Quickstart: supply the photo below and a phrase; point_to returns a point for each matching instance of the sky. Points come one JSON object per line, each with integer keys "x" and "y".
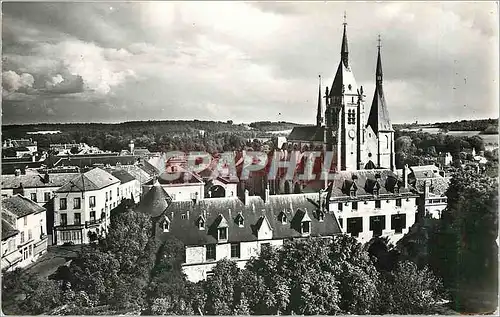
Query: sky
{"x": 243, "y": 61}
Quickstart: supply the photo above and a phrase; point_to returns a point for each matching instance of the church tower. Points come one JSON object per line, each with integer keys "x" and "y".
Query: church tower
{"x": 381, "y": 143}
{"x": 344, "y": 114}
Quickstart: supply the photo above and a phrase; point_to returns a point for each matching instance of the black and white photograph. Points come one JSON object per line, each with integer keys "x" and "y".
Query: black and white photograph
{"x": 250, "y": 158}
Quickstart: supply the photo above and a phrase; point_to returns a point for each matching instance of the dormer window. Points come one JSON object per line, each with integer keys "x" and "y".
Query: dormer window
{"x": 200, "y": 223}
{"x": 282, "y": 218}
{"x": 396, "y": 189}
{"x": 305, "y": 227}
{"x": 321, "y": 216}
{"x": 239, "y": 220}
{"x": 221, "y": 224}
{"x": 166, "y": 225}
{"x": 222, "y": 233}
{"x": 352, "y": 192}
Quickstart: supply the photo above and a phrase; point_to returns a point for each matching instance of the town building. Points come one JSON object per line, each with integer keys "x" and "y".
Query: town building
{"x": 82, "y": 207}
{"x": 179, "y": 183}
{"x": 63, "y": 149}
{"x": 28, "y": 144}
{"x": 24, "y": 234}
{"x": 431, "y": 184}
{"x": 234, "y": 228}
{"x": 372, "y": 203}
{"x": 130, "y": 187}
{"x": 359, "y": 139}
{"x": 39, "y": 188}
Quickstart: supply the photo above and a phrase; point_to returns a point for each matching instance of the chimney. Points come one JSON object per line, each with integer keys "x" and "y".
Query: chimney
{"x": 405, "y": 175}
{"x": 266, "y": 194}
{"x": 46, "y": 178}
{"x": 246, "y": 197}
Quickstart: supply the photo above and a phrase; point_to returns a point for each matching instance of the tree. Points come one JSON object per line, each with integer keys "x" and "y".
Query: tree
{"x": 220, "y": 289}
{"x": 408, "y": 290}
{"x": 29, "y": 294}
{"x": 464, "y": 252}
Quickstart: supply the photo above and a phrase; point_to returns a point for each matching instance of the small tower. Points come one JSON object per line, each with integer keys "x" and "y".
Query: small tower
{"x": 319, "y": 115}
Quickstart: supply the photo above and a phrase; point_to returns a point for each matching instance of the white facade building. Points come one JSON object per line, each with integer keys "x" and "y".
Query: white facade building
{"x": 82, "y": 207}
{"x": 24, "y": 235}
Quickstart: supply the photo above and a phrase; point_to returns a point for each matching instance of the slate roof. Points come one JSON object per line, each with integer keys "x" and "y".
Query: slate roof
{"x": 121, "y": 174}
{"x": 137, "y": 172}
{"x": 8, "y": 230}
{"x": 307, "y": 133}
{"x": 36, "y": 180}
{"x": 378, "y": 118}
{"x": 92, "y": 180}
{"x": 365, "y": 181}
{"x": 93, "y": 160}
{"x": 185, "y": 177}
{"x": 183, "y": 217}
{"x": 10, "y": 167}
{"x": 155, "y": 202}
{"x": 21, "y": 206}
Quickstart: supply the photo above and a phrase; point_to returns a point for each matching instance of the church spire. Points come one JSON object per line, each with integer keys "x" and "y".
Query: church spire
{"x": 379, "y": 73}
{"x": 344, "y": 53}
{"x": 319, "y": 115}
{"x": 378, "y": 118}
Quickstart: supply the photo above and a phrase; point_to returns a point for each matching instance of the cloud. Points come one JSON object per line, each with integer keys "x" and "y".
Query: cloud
{"x": 244, "y": 61}
{"x": 11, "y": 81}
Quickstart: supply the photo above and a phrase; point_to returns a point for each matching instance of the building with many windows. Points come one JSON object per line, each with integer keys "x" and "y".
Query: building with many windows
{"x": 24, "y": 234}
{"x": 82, "y": 207}
{"x": 234, "y": 228}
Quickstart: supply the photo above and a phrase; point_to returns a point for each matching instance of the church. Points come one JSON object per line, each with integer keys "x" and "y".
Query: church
{"x": 359, "y": 139}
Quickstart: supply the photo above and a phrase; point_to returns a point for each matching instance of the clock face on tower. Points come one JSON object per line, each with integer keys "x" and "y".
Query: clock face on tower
{"x": 352, "y": 134}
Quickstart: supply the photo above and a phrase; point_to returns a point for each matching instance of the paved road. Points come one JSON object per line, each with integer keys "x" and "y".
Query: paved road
{"x": 52, "y": 259}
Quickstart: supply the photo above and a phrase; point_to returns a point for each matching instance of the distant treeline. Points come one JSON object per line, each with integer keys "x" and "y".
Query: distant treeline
{"x": 195, "y": 135}
{"x": 487, "y": 126}
{"x": 470, "y": 125}
{"x": 273, "y": 126}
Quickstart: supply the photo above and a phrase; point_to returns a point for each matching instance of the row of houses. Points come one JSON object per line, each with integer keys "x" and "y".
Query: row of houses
{"x": 60, "y": 208}
{"x": 211, "y": 215}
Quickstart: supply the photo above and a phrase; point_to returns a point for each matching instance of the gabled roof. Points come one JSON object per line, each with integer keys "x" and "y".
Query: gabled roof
{"x": 8, "y": 230}
{"x": 21, "y": 206}
{"x": 307, "y": 134}
{"x": 94, "y": 179}
{"x": 155, "y": 202}
{"x": 185, "y": 214}
{"x": 36, "y": 180}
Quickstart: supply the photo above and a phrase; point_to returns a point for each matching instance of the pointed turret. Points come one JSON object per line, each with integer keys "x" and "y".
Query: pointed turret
{"x": 378, "y": 118}
{"x": 319, "y": 115}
